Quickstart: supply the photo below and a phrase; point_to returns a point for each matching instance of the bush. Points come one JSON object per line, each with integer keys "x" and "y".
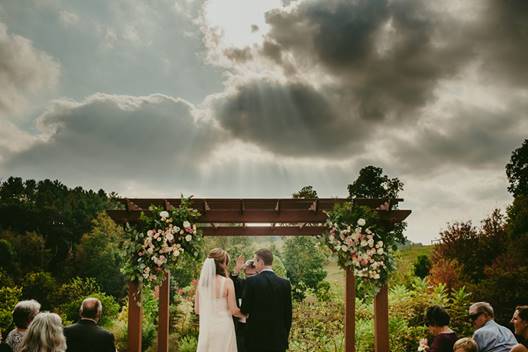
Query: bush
{"x": 9, "y": 296}
{"x": 40, "y": 286}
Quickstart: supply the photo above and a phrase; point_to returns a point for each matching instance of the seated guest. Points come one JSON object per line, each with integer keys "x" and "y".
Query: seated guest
{"x": 23, "y": 314}
{"x": 520, "y": 325}
{"x": 44, "y": 334}
{"x": 489, "y": 336}
{"x": 465, "y": 344}
{"x": 85, "y": 335}
{"x": 437, "y": 320}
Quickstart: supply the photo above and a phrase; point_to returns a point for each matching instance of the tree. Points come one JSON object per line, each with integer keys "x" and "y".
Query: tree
{"x": 371, "y": 183}
{"x": 307, "y": 192}
{"x": 304, "y": 261}
{"x": 422, "y": 266}
{"x": 40, "y": 286}
{"x": 517, "y": 171}
{"x": 98, "y": 255}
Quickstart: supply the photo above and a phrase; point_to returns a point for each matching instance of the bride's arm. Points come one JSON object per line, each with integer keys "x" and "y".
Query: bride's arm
{"x": 231, "y": 299}
{"x": 196, "y": 302}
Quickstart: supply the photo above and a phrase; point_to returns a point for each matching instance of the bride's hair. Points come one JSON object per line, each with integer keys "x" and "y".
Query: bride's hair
{"x": 220, "y": 257}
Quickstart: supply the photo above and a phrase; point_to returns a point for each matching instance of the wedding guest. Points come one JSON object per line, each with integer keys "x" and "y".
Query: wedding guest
{"x": 44, "y": 334}
{"x": 520, "y": 325}
{"x": 23, "y": 314}
{"x": 86, "y": 335}
{"x": 4, "y": 347}
{"x": 489, "y": 336}
{"x": 465, "y": 344}
{"x": 437, "y": 321}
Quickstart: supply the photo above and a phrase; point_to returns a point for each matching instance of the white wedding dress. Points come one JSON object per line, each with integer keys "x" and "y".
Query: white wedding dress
{"x": 217, "y": 330}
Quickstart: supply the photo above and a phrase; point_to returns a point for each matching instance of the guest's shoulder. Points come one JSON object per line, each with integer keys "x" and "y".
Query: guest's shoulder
{"x": 519, "y": 348}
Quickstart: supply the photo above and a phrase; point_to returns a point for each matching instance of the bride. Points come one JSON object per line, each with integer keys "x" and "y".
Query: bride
{"x": 215, "y": 304}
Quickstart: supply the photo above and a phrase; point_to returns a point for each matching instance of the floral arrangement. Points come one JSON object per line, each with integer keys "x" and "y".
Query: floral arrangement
{"x": 361, "y": 244}
{"x": 159, "y": 240}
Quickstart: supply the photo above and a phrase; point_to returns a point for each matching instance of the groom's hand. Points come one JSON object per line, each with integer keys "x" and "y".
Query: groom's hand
{"x": 239, "y": 264}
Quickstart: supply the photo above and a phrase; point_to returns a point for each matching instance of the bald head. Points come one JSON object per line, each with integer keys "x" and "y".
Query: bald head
{"x": 91, "y": 308}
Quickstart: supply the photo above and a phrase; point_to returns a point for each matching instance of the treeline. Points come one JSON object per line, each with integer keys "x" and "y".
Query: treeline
{"x": 57, "y": 245}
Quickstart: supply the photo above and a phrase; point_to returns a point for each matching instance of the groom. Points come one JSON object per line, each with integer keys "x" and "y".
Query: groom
{"x": 267, "y": 302}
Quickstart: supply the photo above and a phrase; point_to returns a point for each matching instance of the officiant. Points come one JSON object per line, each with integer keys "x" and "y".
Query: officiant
{"x": 248, "y": 269}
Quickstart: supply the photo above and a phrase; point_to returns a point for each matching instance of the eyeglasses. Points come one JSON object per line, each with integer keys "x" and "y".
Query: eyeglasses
{"x": 474, "y": 316}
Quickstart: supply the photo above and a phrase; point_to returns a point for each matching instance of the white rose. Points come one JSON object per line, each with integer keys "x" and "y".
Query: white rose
{"x": 361, "y": 222}
{"x": 380, "y": 250}
{"x": 170, "y": 237}
{"x": 164, "y": 214}
{"x": 186, "y": 224}
{"x": 188, "y": 238}
{"x": 344, "y": 248}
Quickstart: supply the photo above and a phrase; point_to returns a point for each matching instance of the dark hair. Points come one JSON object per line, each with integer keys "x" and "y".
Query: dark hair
{"x": 265, "y": 255}
{"x": 91, "y": 308}
{"x": 436, "y": 316}
{"x": 24, "y": 312}
{"x": 523, "y": 312}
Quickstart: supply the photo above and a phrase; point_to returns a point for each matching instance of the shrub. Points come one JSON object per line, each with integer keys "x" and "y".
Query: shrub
{"x": 40, "y": 286}
{"x": 9, "y": 296}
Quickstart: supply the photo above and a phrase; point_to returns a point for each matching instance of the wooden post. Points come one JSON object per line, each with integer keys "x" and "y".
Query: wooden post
{"x": 135, "y": 316}
{"x": 381, "y": 320}
{"x": 350, "y": 312}
{"x": 163, "y": 322}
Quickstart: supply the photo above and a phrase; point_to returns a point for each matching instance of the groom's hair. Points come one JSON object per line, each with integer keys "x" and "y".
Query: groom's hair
{"x": 265, "y": 255}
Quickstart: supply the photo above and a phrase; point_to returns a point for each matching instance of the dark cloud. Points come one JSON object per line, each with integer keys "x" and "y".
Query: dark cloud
{"x": 471, "y": 138}
{"x": 292, "y": 119}
{"x": 238, "y": 55}
{"x": 502, "y": 39}
{"x": 145, "y": 139}
{"x": 384, "y": 54}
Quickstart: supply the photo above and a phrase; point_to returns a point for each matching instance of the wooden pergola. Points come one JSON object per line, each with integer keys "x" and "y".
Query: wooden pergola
{"x": 260, "y": 217}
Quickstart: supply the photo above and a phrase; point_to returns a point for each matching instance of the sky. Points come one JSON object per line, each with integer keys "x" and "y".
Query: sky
{"x": 257, "y": 98}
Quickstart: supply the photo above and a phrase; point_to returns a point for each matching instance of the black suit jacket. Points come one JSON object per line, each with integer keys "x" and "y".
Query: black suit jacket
{"x": 267, "y": 300}
{"x": 86, "y": 336}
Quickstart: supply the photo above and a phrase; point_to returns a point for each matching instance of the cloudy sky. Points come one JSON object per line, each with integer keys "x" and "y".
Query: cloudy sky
{"x": 256, "y": 98}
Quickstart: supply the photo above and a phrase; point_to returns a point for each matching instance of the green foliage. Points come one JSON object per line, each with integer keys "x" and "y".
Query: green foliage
{"x": 188, "y": 344}
{"x": 8, "y": 257}
{"x": 371, "y": 183}
{"x": 61, "y": 215}
{"x": 40, "y": 286}
{"x": 517, "y": 171}
{"x": 98, "y": 255}
{"x": 422, "y": 266}
{"x": 69, "y": 296}
{"x": 518, "y": 217}
{"x": 9, "y": 296}
{"x": 148, "y": 324}
{"x": 70, "y": 311}
{"x": 307, "y": 192}
{"x": 278, "y": 266}
{"x": 303, "y": 261}
{"x": 234, "y": 245}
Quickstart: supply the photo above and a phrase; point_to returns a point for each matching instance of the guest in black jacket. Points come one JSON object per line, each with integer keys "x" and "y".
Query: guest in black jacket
{"x": 249, "y": 269}
{"x": 86, "y": 335}
{"x": 267, "y": 303}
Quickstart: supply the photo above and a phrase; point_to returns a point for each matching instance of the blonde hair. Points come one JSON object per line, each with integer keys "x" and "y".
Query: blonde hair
{"x": 465, "y": 344}
{"x": 44, "y": 334}
{"x": 220, "y": 257}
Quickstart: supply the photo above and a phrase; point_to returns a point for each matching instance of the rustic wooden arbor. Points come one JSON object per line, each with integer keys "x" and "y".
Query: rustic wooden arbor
{"x": 261, "y": 217}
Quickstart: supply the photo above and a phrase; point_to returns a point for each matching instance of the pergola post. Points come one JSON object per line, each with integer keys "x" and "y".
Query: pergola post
{"x": 135, "y": 316}
{"x": 163, "y": 322}
{"x": 350, "y": 311}
{"x": 381, "y": 320}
